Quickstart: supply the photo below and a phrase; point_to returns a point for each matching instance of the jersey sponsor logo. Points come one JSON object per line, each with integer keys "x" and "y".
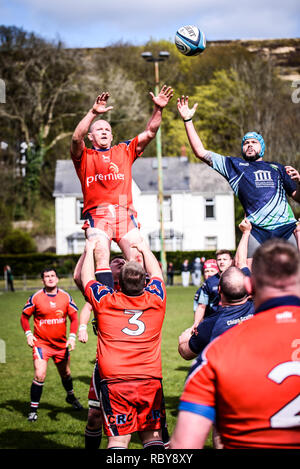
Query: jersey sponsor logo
{"x": 119, "y": 419}
{"x": 238, "y": 320}
{"x": 52, "y": 322}
{"x": 286, "y": 316}
{"x": 155, "y": 414}
{"x": 113, "y": 176}
{"x": 263, "y": 178}
{"x": 155, "y": 288}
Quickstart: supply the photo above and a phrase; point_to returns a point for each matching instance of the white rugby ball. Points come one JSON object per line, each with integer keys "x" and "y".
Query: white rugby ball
{"x": 190, "y": 41}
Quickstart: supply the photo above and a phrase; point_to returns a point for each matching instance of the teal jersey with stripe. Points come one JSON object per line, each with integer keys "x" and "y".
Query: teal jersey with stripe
{"x": 262, "y": 188}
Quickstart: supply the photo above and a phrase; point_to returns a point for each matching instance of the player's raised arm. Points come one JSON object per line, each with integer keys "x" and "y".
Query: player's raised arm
{"x": 151, "y": 264}
{"x": 82, "y": 129}
{"x": 240, "y": 259}
{"x": 187, "y": 115}
{"x": 88, "y": 265}
{"x": 295, "y": 176}
{"x": 160, "y": 101}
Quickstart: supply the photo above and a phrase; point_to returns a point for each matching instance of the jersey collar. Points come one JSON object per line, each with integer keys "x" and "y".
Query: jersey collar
{"x": 289, "y": 300}
{"x": 101, "y": 149}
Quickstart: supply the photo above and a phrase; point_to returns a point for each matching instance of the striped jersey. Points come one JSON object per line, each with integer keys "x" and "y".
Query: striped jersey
{"x": 262, "y": 188}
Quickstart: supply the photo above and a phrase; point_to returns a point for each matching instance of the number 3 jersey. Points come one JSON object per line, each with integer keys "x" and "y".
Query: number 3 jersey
{"x": 249, "y": 379}
{"x": 129, "y": 330}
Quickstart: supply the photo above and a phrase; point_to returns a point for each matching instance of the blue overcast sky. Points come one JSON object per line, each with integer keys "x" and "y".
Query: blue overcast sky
{"x": 98, "y": 23}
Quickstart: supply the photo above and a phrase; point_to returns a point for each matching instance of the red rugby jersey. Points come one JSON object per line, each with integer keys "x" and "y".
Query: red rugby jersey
{"x": 129, "y": 330}
{"x": 251, "y": 377}
{"x": 105, "y": 175}
{"x": 50, "y": 313}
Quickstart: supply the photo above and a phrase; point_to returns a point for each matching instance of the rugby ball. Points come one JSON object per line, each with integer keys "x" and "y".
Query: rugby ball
{"x": 190, "y": 41}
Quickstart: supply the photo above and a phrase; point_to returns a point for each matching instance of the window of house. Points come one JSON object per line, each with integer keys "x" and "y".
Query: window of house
{"x": 209, "y": 208}
{"x": 79, "y": 210}
{"x": 210, "y": 243}
{"x": 167, "y": 208}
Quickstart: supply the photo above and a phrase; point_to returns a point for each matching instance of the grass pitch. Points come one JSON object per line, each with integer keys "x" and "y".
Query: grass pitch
{"x": 58, "y": 425}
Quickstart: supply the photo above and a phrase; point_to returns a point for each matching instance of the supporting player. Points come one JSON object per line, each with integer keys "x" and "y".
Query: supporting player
{"x": 128, "y": 354}
{"x": 50, "y": 308}
{"x": 209, "y": 298}
{"x": 261, "y": 187}
{"x": 93, "y": 429}
{"x": 105, "y": 175}
{"x": 248, "y": 381}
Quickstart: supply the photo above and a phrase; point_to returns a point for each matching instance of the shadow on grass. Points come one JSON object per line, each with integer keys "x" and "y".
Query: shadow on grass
{"x": 21, "y": 439}
{"x": 53, "y": 412}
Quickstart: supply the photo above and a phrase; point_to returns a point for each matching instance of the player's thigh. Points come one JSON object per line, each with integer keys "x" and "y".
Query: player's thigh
{"x": 150, "y": 435}
{"x": 121, "y": 441}
{"x": 62, "y": 362}
{"x": 125, "y": 243}
{"x": 102, "y": 247}
{"x": 40, "y": 369}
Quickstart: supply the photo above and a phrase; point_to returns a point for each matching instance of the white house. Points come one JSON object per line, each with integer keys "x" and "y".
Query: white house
{"x": 198, "y": 206}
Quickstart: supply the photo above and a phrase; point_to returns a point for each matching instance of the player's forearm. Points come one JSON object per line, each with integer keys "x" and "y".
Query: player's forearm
{"x": 151, "y": 264}
{"x": 85, "y": 314}
{"x": 73, "y": 324}
{"x": 88, "y": 268}
{"x": 185, "y": 351}
{"x": 240, "y": 259}
{"x": 196, "y": 143}
{"x": 199, "y": 314}
{"x": 25, "y": 323}
{"x": 81, "y": 131}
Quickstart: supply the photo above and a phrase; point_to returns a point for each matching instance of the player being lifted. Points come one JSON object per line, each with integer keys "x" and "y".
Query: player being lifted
{"x": 260, "y": 186}
{"x": 105, "y": 175}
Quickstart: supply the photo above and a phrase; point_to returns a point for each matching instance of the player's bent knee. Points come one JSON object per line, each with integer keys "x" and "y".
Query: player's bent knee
{"x": 94, "y": 418}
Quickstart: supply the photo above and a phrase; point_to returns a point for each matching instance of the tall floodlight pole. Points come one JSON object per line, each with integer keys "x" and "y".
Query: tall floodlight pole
{"x": 163, "y": 55}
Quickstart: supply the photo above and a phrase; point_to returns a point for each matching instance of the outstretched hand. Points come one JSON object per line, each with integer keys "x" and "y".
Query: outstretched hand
{"x": 163, "y": 97}
{"x": 183, "y": 108}
{"x": 293, "y": 173}
{"x": 245, "y": 225}
{"x": 99, "y": 106}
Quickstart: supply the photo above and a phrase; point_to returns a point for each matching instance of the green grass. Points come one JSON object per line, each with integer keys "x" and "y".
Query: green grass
{"x": 58, "y": 426}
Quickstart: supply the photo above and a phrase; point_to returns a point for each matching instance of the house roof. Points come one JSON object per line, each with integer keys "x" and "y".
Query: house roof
{"x": 179, "y": 175}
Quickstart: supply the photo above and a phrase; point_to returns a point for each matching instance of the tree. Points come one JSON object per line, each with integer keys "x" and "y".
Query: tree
{"x": 41, "y": 91}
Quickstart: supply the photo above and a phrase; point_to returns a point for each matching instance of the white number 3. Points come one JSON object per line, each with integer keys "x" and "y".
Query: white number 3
{"x": 134, "y": 320}
{"x": 288, "y": 416}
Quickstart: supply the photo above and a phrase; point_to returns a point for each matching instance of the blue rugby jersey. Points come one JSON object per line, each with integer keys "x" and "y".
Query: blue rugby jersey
{"x": 261, "y": 187}
{"x": 209, "y": 294}
{"x": 231, "y": 315}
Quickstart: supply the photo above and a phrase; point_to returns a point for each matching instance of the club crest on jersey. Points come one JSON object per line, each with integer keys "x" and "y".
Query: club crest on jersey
{"x": 155, "y": 287}
{"x": 263, "y": 178}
